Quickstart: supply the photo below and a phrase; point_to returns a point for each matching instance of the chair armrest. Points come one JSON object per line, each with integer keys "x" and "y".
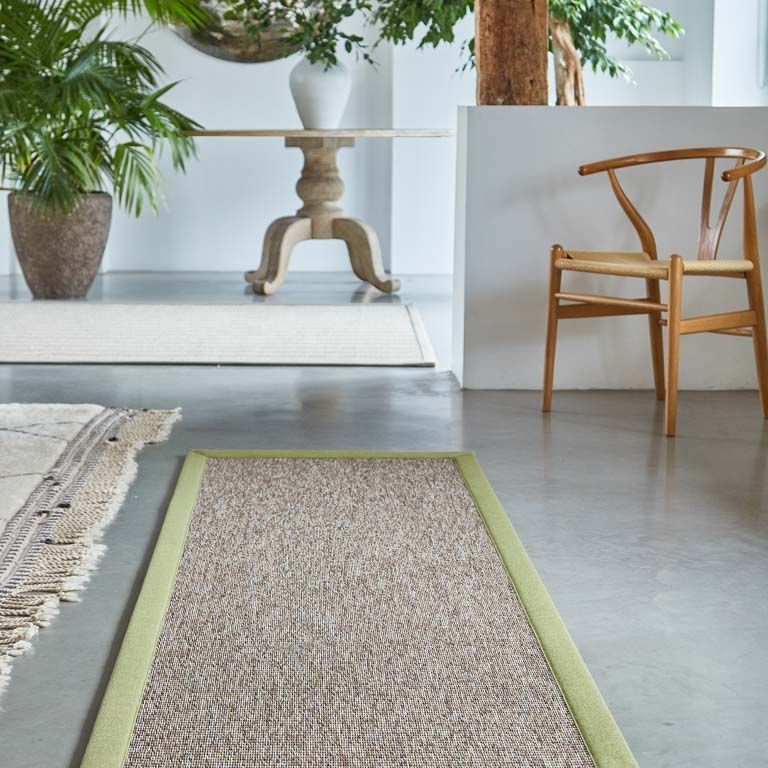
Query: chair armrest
{"x": 746, "y": 169}
{"x": 754, "y": 160}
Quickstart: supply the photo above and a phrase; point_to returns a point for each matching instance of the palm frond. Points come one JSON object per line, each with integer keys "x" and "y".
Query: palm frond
{"x": 79, "y": 112}
{"x": 189, "y": 12}
{"x": 135, "y": 176}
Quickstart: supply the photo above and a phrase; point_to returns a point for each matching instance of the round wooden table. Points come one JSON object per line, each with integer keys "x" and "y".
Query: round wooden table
{"x": 320, "y": 218}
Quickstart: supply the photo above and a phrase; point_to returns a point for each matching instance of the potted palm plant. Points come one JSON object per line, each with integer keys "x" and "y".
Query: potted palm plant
{"x": 81, "y": 116}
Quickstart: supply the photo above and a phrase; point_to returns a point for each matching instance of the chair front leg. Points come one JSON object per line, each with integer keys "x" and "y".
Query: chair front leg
{"x": 673, "y": 342}
{"x": 759, "y": 335}
{"x": 657, "y": 338}
{"x": 555, "y": 276}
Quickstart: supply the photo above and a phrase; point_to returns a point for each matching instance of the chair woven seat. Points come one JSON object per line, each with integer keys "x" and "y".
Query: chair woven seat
{"x": 640, "y": 264}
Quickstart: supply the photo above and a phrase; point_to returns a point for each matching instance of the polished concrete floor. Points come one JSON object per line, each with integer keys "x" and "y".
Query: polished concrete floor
{"x": 654, "y": 550}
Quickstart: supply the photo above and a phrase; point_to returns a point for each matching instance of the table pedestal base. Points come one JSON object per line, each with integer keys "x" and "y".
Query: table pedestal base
{"x": 319, "y": 187}
{"x": 284, "y": 234}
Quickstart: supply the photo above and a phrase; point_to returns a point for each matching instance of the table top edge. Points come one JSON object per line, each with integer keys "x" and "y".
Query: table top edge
{"x": 360, "y": 133}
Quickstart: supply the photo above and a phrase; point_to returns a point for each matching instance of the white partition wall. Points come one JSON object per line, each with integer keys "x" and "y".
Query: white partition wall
{"x": 519, "y": 192}
{"x": 215, "y": 215}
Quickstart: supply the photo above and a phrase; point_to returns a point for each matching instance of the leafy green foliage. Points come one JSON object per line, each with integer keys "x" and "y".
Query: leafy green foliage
{"x": 189, "y": 12}
{"x": 591, "y": 22}
{"x": 400, "y": 19}
{"x": 314, "y": 26}
{"x": 81, "y": 112}
{"x": 631, "y": 20}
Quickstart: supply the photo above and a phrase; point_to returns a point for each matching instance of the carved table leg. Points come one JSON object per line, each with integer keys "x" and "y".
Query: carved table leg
{"x": 259, "y": 274}
{"x": 320, "y": 218}
{"x": 281, "y": 238}
{"x": 364, "y": 253}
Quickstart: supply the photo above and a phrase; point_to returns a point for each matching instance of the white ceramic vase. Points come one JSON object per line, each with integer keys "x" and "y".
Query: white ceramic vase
{"x": 320, "y": 94}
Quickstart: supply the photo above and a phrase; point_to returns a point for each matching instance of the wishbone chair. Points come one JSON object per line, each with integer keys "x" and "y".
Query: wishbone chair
{"x": 646, "y": 264}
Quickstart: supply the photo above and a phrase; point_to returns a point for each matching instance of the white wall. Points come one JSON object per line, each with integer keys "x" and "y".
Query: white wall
{"x": 217, "y": 213}
{"x": 698, "y": 21}
{"x": 739, "y": 29}
{"x": 519, "y": 193}
{"x": 427, "y": 89}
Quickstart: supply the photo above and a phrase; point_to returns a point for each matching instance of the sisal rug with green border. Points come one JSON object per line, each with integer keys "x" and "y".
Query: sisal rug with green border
{"x": 356, "y": 609}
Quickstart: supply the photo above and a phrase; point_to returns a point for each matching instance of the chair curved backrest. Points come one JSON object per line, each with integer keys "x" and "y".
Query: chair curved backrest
{"x": 747, "y": 162}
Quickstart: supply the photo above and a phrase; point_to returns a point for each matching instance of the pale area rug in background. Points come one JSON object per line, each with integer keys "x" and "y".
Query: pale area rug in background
{"x": 64, "y": 472}
{"x": 254, "y": 334}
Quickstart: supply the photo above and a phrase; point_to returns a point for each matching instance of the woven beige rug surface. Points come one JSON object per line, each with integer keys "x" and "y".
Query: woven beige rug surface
{"x": 64, "y": 471}
{"x": 346, "y": 612}
{"x": 240, "y": 334}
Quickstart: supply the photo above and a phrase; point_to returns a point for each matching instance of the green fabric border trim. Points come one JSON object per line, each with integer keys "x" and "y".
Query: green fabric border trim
{"x": 112, "y": 731}
{"x": 599, "y": 730}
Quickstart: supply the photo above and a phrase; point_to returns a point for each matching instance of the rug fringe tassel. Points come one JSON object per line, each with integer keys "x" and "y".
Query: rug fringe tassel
{"x": 67, "y": 562}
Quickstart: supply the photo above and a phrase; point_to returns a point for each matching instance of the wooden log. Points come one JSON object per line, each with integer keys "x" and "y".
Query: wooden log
{"x": 511, "y": 41}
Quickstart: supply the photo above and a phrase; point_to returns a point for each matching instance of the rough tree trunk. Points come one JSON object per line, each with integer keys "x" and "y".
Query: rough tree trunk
{"x": 511, "y": 51}
{"x": 568, "y": 79}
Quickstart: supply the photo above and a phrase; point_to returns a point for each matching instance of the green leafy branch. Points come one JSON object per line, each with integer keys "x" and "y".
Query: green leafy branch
{"x": 81, "y": 112}
{"x": 431, "y": 22}
{"x": 314, "y": 26}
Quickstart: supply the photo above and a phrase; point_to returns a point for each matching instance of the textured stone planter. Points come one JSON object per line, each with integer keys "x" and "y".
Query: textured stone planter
{"x": 60, "y": 255}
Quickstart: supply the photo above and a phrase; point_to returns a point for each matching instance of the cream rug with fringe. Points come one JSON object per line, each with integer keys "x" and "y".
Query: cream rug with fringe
{"x": 64, "y": 472}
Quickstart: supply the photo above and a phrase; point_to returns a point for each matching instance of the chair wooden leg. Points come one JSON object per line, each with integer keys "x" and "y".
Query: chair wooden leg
{"x": 759, "y": 335}
{"x": 673, "y": 342}
{"x": 555, "y": 276}
{"x": 657, "y": 339}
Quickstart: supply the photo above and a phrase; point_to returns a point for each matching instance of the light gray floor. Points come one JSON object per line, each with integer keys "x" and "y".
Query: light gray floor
{"x": 655, "y": 551}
